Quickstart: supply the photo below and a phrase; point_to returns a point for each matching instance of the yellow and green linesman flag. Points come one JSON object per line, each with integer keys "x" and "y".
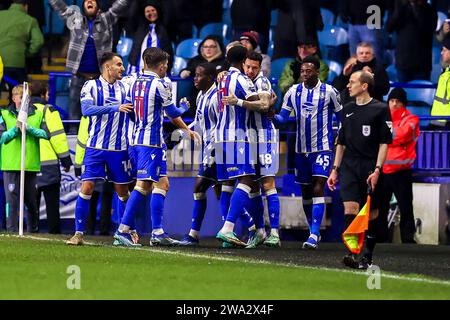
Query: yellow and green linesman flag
{"x": 353, "y": 237}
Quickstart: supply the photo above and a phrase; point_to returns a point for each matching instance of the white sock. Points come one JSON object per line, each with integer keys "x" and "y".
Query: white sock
{"x": 261, "y": 232}
{"x": 193, "y": 233}
{"x": 227, "y": 227}
{"x": 79, "y": 232}
{"x": 124, "y": 228}
{"x": 158, "y": 232}
{"x": 274, "y": 232}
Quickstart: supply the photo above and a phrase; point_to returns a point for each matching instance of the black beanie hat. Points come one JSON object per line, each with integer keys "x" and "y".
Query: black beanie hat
{"x": 399, "y": 94}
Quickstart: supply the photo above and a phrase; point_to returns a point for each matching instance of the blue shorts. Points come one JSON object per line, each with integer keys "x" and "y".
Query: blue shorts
{"x": 163, "y": 171}
{"x": 133, "y": 165}
{"x": 235, "y": 159}
{"x": 308, "y": 165}
{"x": 109, "y": 165}
{"x": 208, "y": 172}
{"x": 149, "y": 162}
{"x": 268, "y": 159}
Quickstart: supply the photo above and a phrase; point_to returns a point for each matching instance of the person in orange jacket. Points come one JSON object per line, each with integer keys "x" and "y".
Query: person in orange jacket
{"x": 397, "y": 167}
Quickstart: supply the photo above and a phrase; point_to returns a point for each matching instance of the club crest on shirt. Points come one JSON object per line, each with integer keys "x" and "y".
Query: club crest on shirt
{"x": 322, "y": 95}
{"x": 265, "y": 85}
{"x": 11, "y": 187}
{"x": 366, "y": 130}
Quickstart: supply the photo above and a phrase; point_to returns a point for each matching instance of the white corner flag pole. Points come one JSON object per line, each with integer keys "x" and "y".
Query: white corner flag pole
{"x": 22, "y": 117}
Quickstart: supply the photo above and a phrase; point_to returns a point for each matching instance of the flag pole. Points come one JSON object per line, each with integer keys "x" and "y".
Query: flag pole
{"x": 22, "y": 117}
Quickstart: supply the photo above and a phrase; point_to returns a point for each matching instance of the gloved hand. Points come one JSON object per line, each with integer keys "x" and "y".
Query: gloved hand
{"x": 78, "y": 172}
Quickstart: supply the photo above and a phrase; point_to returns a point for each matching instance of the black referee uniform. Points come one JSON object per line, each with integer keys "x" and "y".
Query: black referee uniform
{"x": 364, "y": 128}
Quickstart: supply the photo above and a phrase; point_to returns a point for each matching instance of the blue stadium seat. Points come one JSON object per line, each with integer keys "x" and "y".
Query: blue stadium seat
{"x": 435, "y": 73}
{"x": 421, "y": 94}
{"x": 341, "y": 23}
{"x": 333, "y": 36}
{"x": 226, "y": 17}
{"x": 421, "y": 111}
{"x": 57, "y": 23}
{"x": 335, "y": 69}
{"x": 441, "y": 19}
{"x": 215, "y": 28}
{"x": 273, "y": 18}
{"x": 327, "y": 16}
{"x": 392, "y": 73}
{"x": 194, "y": 31}
{"x": 226, "y": 4}
{"x": 188, "y": 48}
{"x": 278, "y": 66}
{"x": 270, "y": 49}
{"x": 124, "y": 49}
{"x": 178, "y": 65}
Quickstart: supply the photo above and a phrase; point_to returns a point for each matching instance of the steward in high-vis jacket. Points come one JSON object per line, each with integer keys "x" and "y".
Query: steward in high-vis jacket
{"x": 441, "y": 103}
{"x": 53, "y": 153}
{"x": 11, "y": 144}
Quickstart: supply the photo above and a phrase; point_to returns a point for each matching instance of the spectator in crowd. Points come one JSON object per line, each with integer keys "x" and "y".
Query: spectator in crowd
{"x": 291, "y": 71}
{"x": 21, "y": 38}
{"x": 53, "y": 154}
{"x": 397, "y": 167}
{"x": 211, "y": 50}
{"x": 11, "y": 141}
{"x": 414, "y": 21}
{"x": 178, "y": 18}
{"x": 298, "y": 21}
{"x": 441, "y": 103}
{"x": 207, "y": 11}
{"x": 444, "y": 31}
{"x": 355, "y": 13}
{"x": 249, "y": 40}
{"x": 149, "y": 33}
{"x": 364, "y": 60}
{"x": 252, "y": 15}
{"x": 90, "y": 37}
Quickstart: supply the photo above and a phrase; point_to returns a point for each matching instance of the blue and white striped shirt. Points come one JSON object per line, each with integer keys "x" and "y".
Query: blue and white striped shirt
{"x": 150, "y": 95}
{"x": 233, "y": 120}
{"x": 106, "y": 131}
{"x": 313, "y": 110}
{"x": 207, "y": 114}
{"x": 262, "y": 125}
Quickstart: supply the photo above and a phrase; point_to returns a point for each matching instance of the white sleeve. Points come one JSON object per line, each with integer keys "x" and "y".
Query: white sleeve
{"x": 264, "y": 86}
{"x": 335, "y": 97}
{"x": 247, "y": 86}
{"x": 287, "y": 101}
{"x": 87, "y": 90}
{"x": 165, "y": 92}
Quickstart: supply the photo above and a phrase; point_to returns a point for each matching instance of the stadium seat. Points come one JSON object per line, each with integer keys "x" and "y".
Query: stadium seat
{"x": 273, "y": 18}
{"x": 226, "y": 17}
{"x": 392, "y": 73}
{"x": 327, "y": 16}
{"x": 53, "y": 18}
{"x": 215, "y": 28}
{"x": 178, "y": 65}
{"x": 333, "y": 36}
{"x": 124, "y": 48}
{"x": 435, "y": 73}
{"x": 270, "y": 49}
{"x": 188, "y": 48}
{"x": 421, "y": 94}
{"x": 341, "y": 23}
{"x": 441, "y": 19}
{"x": 335, "y": 69}
{"x": 194, "y": 31}
{"x": 277, "y": 67}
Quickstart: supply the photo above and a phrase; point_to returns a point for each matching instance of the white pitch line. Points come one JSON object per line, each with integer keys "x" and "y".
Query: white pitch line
{"x": 246, "y": 260}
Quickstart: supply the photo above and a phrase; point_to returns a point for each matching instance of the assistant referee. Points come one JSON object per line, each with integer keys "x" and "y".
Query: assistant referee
{"x": 361, "y": 150}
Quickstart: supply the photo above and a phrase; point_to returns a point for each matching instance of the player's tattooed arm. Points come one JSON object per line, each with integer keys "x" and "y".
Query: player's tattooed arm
{"x": 259, "y": 103}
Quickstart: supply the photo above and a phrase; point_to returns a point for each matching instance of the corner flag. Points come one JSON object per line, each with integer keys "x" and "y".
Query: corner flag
{"x": 353, "y": 237}
{"x": 22, "y": 118}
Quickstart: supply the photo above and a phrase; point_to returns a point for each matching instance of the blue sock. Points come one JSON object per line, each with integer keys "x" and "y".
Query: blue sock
{"x": 239, "y": 200}
{"x": 198, "y": 213}
{"x": 256, "y": 209}
{"x": 225, "y": 200}
{"x": 273, "y": 204}
{"x": 157, "y": 207}
{"x": 318, "y": 208}
{"x": 247, "y": 220}
{"x": 307, "y": 207}
{"x": 81, "y": 211}
{"x": 133, "y": 203}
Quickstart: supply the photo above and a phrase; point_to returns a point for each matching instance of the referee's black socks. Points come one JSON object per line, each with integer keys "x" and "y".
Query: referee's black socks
{"x": 371, "y": 239}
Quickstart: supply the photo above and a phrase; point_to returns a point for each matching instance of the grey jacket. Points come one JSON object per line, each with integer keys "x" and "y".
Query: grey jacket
{"x": 78, "y": 25}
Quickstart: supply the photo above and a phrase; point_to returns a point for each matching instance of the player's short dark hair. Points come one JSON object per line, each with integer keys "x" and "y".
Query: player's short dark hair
{"x": 153, "y": 57}
{"x": 236, "y": 55}
{"x": 210, "y": 70}
{"x": 367, "y": 77}
{"x": 255, "y": 56}
{"x": 313, "y": 60}
{"x": 107, "y": 56}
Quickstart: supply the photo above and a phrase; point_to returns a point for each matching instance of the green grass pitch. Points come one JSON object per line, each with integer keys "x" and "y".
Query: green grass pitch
{"x": 33, "y": 269}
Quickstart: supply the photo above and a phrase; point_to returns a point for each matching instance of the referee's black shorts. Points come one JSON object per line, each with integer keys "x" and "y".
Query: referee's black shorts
{"x": 353, "y": 181}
